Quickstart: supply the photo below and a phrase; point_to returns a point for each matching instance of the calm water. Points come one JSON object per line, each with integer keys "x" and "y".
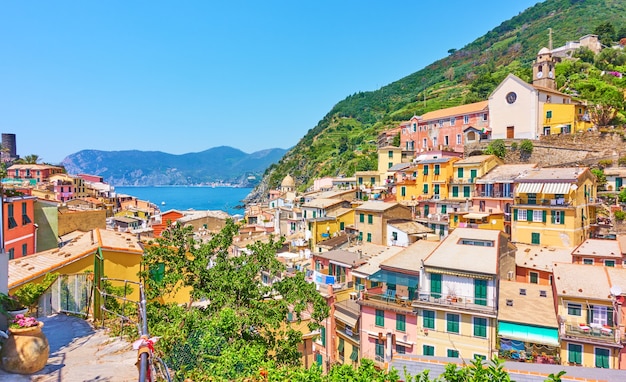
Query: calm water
{"x": 184, "y": 198}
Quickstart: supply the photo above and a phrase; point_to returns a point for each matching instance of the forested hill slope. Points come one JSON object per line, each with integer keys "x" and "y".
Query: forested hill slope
{"x": 344, "y": 140}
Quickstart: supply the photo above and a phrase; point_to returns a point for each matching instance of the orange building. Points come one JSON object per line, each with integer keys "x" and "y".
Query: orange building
{"x": 19, "y": 226}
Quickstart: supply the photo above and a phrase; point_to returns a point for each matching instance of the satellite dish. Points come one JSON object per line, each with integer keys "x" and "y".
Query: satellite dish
{"x": 616, "y": 290}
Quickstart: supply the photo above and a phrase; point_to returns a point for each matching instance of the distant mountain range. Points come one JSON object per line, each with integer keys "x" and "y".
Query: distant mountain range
{"x": 151, "y": 168}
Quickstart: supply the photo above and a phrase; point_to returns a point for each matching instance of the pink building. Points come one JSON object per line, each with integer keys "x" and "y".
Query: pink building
{"x": 446, "y": 129}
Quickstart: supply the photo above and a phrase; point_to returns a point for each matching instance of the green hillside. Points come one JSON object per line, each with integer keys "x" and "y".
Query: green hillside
{"x": 344, "y": 140}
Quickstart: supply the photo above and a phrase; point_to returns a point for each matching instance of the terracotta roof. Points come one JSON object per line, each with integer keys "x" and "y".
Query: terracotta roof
{"x": 599, "y": 248}
{"x": 530, "y": 308}
{"x": 25, "y": 269}
{"x": 453, "y": 254}
{"x": 456, "y": 110}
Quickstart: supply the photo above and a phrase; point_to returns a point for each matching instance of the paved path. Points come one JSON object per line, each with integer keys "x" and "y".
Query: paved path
{"x": 78, "y": 352}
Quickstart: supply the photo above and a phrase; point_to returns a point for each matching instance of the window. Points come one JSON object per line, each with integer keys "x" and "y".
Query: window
{"x": 455, "y": 191}
{"x": 600, "y": 315}
{"x": 400, "y": 322}
{"x": 436, "y": 169}
{"x": 480, "y": 292}
{"x": 390, "y": 154}
{"x": 446, "y": 141}
{"x": 369, "y": 237}
{"x": 323, "y": 335}
{"x": 389, "y": 164}
{"x": 485, "y": 117}
{"x": 466, "y": 191}
{"x": 425, "y": 189}
{"x": 574, "y": 309}
{"x": 532, "y": 198}
{"x": 435, "y": 285}
{"x": 453, "y": 353}
{"x": 372, "y": 181}
{"x": 452, "y": 323}
{"x": 535, "y": 238}
{"x": 403, "y": 191}
{"x": 466, "y": 119}
{"x": 575, "y": 354}
{"x": 534, "y": 277}
{"x": 557, "y": 217}
{"x": 380, "y": 317}
{"x": 459, "y": 173}
{"x": 425, "y": 172}
{"x": 428, "y": 350}
{"x": 24, "y": 249}
{"x": 354, "y": 356}
{"x": 602, "y": 358}
{"x": 480, "y": 327}
{"x": 424, "y": 143}
{"x": 360, "y": 236}
{"x": 538, "y": 216}
{"x": 341, "y": 347}
{"x": 428, "y": 319}
{"x": 319, "y": 359}
{"x": 436, "y": 189}
{"x": 12, "y": 222}
{"x": 452, "y": 121}
{"x": 480, "y": 356}
{"x": 361, "y": 218}
{"x": 458, "y": 139}
{"x": 549, "y": 114}
{"x": 25, "y": 218}
{"x": 11, "y": 253}
{"x": 400, "y": 349}
{"x": 370, "y": 219}
{"x": 609, "y": 263}
{"x": 521, "y": 214}
{"x": 380, "y": 350}
{"x": 394, "y": 236}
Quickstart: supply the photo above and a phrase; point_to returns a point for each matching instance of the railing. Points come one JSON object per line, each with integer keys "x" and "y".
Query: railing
{"x": 485, "y": 305}
{"x": 543, "y": 202}
{"x": 463, "y": 180}
{"x": 390, "y": 299}
{"x": 598, "y": 333}
{"x": 349, "y": 333}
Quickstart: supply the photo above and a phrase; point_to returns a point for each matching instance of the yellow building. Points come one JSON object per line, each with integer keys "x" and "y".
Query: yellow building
{"x": 388, "y": 156}
{"x": 561, "y": 118}
{"x": 554, "y": 207}
{"x": 371, "y": 220}
{"x": 368, "y": 178}
{"x": 121, "y": 259}
{"x": 329, "y": 226}
{"x": 466, "y": 172}
{"x": 590, "y": 335}
{"x": 76, "y": 184}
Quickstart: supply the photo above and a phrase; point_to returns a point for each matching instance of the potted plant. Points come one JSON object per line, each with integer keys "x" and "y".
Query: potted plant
{"x": 26, "y": 350}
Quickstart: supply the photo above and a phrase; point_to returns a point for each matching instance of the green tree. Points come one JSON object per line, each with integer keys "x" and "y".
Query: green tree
{"x": 605, "y": 100}
{"x": 585, "y": 54}
{"x": 243, "y": 320}
{"x": 526, "y": 148}
{"x": 601, "y": 178}
{"x": 606, "y": 33}
{"x": 497, "y": 148}
{"x": 29, "y": 159}
{"x": 396, "y": 140}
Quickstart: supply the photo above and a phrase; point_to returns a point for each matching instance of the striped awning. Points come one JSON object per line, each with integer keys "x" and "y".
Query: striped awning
{"x": 529, "y": 333}
{"x": 529, "y": 188}
{"x": 556, "y": 188}
{"x": 475, "y": 215}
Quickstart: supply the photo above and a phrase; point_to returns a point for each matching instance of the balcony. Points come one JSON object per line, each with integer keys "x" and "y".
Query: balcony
{"x": 462, "y": 180}
{"x": 387, "y": 301}
{"x": 544, "y": 202}
{"x": 592, "y": 333}
{"x": 465, "y": 303}
{"x": 496, "y": 194}
{"x": 348, "y": 333}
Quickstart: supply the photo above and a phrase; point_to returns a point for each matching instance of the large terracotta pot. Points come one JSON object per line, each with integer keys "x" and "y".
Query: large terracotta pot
{"x": 26, "y": 350}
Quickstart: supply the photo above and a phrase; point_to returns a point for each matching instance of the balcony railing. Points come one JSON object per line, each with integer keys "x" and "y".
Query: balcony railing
{"x": 596, "y": 333}
{"x": 543, "y": 202}
{"x": 496, "y": 194}
{"x": 463, "y": 180}
{"x": 484, "y": 305}
{"x": 354, "y": 335}
{"x": 389, "y": 299}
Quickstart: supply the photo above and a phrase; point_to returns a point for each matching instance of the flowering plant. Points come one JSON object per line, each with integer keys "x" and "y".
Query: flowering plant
{"x": 21, "y": 321}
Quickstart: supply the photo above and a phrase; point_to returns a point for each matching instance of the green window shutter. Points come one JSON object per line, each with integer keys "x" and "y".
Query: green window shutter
{"x": 360, "y": 236}
{"x": 609, "y": 317}
{"x": 341, "y": 345}
{"x": 529, "y": 215}
{"x": 428, "y": 319}
{"x": 380, "y": 317}
{"x": 459, "y": 173}
{"x": 369, "y": 237}
{"x": 473, "y": 174}
{"x": 444, "y": 208}
{"x": 480, "y": 327}
{"x": 436, "y": 189}
{"x": 544, "y": 216}
{"x": 455, "y": 191}
{"x": 552, "y": 216}
{"x": 535, "y": 238}
{"x": 514, "y": 214}
{"x": 466, "y": 191}
{"x": 425, "y": 189}
{"x": 602, "y": 358}
{"x": 549, "y": 114}
{"x": 342, "y": 226}
{"x": 574, "y": 354}
{"x": 436, "y": 169}
{"x": 562, "y": 217}
{"x": 403, "y": 191}
{"x": 425, "y": 170}
{"x": 323, "y": 335}
{"x": 435, "y": 285}
{"x": 370, "y": 219}
{"x": 480, "y": 292}
{"x": 452, "y": 323}
{"x": 380, "y": 349}
{"x": 453, "y": 353}
{"x": 428, "y": 350}
{"x": 354, "y": 356}
{"x": 318, "y": 359}
{"x": 400, "y": 322}
{"x": 361, "y": 218}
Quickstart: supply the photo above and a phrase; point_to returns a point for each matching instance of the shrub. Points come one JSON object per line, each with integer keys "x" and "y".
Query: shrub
{"x": 497, "y": 148}
{"x": 526, "y": 147}
{"x": 513, "y": 146}
{"x": 622, "y": 161}
{"x": 620, "y": 215}
{"x": 605, "y": 163}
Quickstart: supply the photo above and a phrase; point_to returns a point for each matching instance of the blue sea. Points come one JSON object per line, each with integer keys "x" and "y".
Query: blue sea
{"x": 190, "y": 197}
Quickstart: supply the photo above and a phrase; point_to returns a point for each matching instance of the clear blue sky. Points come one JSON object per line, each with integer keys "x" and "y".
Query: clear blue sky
{"x": 185, "y": 76}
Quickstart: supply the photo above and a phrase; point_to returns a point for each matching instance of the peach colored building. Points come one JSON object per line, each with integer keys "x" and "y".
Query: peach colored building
{"x": 36, "y": 172}
{"x": 446, "y": 129}
{"x": 20, "y": 230}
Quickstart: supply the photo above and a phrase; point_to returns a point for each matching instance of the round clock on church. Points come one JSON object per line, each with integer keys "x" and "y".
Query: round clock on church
{"x": 539, "y": 74}
{"x": 511, "y": 97}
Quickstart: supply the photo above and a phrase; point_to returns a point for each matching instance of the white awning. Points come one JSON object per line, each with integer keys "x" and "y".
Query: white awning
{"x": 529, "y": 188}
{"x": 556, "y": 188}
{"x": 475, "y": 215}
{"x": 351, "y": 322}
